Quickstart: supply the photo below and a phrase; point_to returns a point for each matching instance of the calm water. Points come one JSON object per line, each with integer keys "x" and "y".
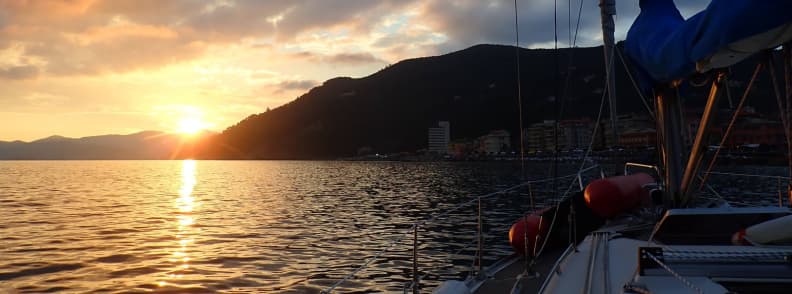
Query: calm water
{"x": 246, "y": 226}
{"x": 255, "y": 226}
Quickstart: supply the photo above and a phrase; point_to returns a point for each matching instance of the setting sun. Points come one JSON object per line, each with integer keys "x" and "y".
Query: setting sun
{"x": 190, "y": 126}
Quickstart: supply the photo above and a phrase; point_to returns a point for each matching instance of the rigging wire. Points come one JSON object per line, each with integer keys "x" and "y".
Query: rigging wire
{"x": 520, "y": 128}
{"x": 569, "y": 20}
{"x": 519, "y": 92}
{"x": 565, "y": 92}
{"x": 556, "y": 108}
{"x": 731, "y": 125}
{"x": 590, "y": 146}
{"x": 582, "y": 165}
{"x": 782, "y": 105}
{"x": 635, "y": 84}
{"x": 787, "y": 59}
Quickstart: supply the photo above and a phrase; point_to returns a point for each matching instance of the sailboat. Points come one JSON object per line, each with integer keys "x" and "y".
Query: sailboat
{"x": 649, "y": 232}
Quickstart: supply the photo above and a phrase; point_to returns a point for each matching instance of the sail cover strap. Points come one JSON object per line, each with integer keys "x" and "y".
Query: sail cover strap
{"x": 666, "y": 47}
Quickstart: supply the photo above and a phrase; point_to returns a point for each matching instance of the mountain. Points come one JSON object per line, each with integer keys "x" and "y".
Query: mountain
{"x": 142, "y": 145}
{"x": 475, "y": 89}
{"x": 390, "y": 110}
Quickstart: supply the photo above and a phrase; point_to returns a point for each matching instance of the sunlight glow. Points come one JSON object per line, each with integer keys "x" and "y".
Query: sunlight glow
{"x": 185, "y": 205}
{"x": 191, "y": 125}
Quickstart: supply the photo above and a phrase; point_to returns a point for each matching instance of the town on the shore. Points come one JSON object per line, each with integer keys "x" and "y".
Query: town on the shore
{"x": 753, "y": 136}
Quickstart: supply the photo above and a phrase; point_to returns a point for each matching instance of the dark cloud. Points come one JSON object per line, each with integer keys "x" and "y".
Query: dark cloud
{"x": 470, "y": 22}
{"x": 354, "y": 58}
{"x": 3, "y": 19}
{"x": 124, "y": 54}
{"x": 91, "y": 37}
{"x": 19, "y": 72}
{"x": 295, "y": 85}
{"x": 69, "y": 36}
{"x": 341, "y": 58}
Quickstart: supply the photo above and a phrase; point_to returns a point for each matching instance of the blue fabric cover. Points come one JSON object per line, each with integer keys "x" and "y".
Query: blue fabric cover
{"x": 666, "y": 47}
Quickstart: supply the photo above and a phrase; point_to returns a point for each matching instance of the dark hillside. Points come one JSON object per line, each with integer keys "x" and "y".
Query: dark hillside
{"x": 389, "y": 111}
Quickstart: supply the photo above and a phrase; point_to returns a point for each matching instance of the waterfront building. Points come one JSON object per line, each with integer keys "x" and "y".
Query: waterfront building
{"x": 540, "y": 136}
{"x": 495, "y": 142}
{"x": 439, "y": 137}
{"x": 638, "y": 138}
{"x": 575, "y": 134}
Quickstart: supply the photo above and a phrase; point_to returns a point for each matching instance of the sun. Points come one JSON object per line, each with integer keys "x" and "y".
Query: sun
{"x": 190, "y": 126}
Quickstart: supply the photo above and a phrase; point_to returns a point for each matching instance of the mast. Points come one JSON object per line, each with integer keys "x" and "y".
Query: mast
{"x": 607, "y": 11}
{"x": 669, "y": 126}
{"x": 700, "y": 142}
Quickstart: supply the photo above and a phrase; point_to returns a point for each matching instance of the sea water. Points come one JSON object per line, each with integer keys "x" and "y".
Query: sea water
{"x": 256, "y": 226}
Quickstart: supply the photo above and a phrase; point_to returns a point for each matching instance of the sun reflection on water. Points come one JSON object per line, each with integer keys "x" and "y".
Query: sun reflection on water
{"x": 185, "y": 205}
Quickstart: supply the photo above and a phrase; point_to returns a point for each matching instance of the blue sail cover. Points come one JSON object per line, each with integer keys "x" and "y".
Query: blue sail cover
{"x": 666, "y": 47}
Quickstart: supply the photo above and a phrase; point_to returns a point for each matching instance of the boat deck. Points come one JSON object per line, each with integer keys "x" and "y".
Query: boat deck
{"x": 503, "y": 281}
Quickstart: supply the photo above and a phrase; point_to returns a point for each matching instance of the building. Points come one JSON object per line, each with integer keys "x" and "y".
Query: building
{"x": 495, "y": 142}
{"x": 749, "y": 129}
{"x": 753, "y": 131}
{"x": 575, "y": 134}
{"x": 572, "y": 134}
{"x": 461, "y": 148}
{"x": 540, "y": 136}
{"x": 638, "y": 138}
{"x": 439, "y": 138}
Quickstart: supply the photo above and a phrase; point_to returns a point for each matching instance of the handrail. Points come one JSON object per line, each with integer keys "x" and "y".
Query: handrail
{"x": 778, "y": 192}
{"x": 750, "y": 175}
{"x": 641, "y": 165}
{"x": 365, "y": 264}
{"x": 413, "y": 229}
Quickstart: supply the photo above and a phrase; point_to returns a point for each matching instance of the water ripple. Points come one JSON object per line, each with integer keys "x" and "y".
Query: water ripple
{"x": 245, "y": 226}
{"x": 52, "y": 268}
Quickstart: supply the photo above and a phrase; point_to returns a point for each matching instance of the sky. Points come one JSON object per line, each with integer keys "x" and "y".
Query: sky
{"x": 89, "y": 67}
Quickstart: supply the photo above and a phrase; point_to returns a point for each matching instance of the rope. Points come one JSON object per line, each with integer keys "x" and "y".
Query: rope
{"x": 636, "y": 289}
{"x": 741, "y": 256}
{"x": 675, "y": 274}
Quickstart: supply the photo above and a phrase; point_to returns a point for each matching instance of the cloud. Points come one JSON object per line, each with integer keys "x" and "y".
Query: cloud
{"x": 136, "y": 54}
{"x": 19, "y": 72}
{"x": 469, "y": 22}
{"x": 3, "y": 19}
{"x": 95, "y": 36}
{"x": 352, "y": 58}
{"x": 296, "y": 85}
{"x": 89, "y": 37}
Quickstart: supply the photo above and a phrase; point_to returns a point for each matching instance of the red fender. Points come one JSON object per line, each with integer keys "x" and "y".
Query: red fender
{"x": 535, "y": 226}
{"x": 612, "y": 196}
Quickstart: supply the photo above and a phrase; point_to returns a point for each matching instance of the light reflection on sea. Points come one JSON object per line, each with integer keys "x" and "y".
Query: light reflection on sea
{"x": 256, "y": 226}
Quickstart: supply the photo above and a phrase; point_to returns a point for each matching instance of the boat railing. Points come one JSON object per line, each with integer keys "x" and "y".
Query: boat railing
{"x": 477, "y": 244}
{"x": 630, "y": 165}
{"x": 782, "y": 189}
{"x": 766, "y": 187}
